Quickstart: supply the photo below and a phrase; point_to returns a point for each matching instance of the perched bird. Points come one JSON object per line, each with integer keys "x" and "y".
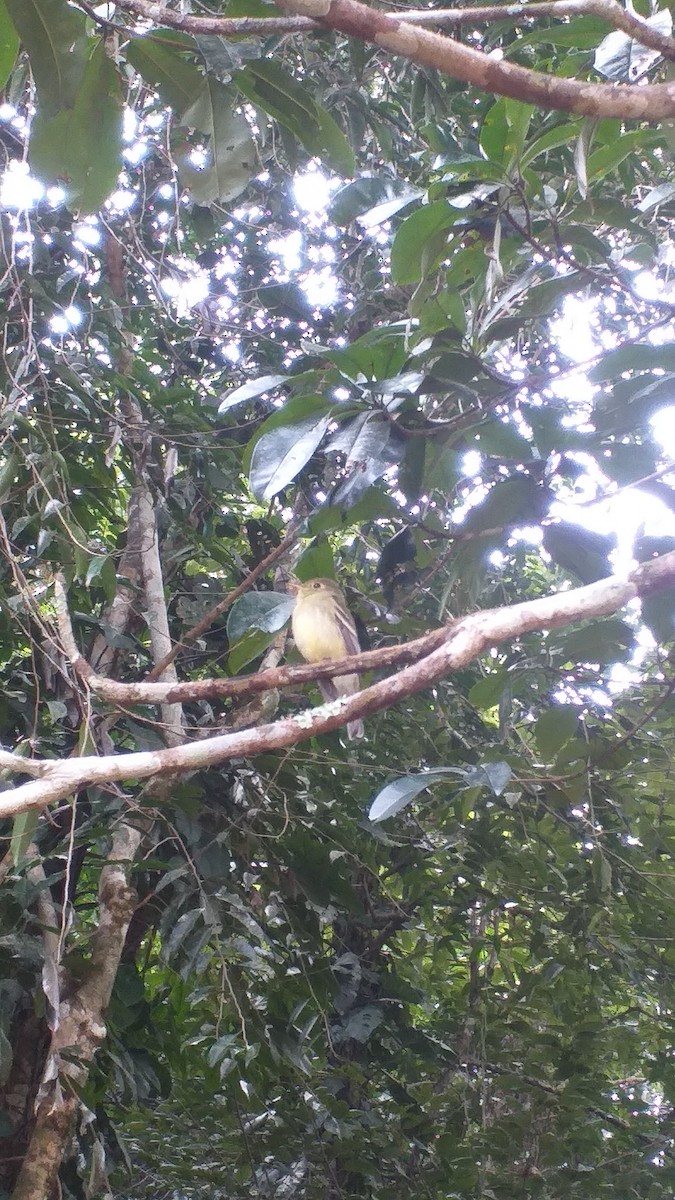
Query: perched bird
{"x": 323, "y": 627}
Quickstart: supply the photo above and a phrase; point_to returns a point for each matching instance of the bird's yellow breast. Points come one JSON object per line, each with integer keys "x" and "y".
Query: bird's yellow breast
{"x": 315, "y": 630}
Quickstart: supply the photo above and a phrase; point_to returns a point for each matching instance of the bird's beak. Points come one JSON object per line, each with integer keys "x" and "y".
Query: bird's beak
{"x": 293, "y": 586}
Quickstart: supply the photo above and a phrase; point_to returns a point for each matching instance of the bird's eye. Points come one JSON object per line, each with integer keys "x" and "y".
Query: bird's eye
{"x": 316, "y": 584}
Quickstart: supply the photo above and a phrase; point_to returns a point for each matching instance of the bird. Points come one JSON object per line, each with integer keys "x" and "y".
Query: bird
{"x": 323, "y": 628}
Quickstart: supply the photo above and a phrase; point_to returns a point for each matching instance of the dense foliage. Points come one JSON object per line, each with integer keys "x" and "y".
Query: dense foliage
{"x": 289, "y": 280}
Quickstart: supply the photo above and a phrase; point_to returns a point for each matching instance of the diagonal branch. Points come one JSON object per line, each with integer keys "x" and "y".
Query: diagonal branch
{"x": 464, "y": 641}
{"x": 398, "y": 34}
{"x": 428, "y": 49}
{"x": 608, "y": 10}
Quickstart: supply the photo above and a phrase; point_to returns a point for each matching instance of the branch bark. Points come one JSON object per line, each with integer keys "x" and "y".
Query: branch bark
{"x": 463, "y": 641}
{"x": 608, "y": 10}
{"x": 81, "y": 1029}
{"x": 648, "y": 103}
{"x": 401, "y": 36}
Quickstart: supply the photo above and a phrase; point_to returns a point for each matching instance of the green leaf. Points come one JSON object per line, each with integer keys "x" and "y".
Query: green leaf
{"x": 492, "y": 775}
{"x": 232, "y": 156}
{"x": 602, "y": 872}
{"x": 658, "y": 614}
{"x": 292, "y": 411}
{"x": 582, "y": 552}
{"x": 359, "y": 1024}
{"x": 516, "y": 500}
{"x": 247, "y": 649}
{"x": 606, "y": 159}
{"x": 82, "y": 146}
{"x": 55, "y": 39}
{"x": 251, "y": 390}
{"x": 412, "y": 236}
{"x": 622, "y": 59}
{"x": 504, "y": 131}
{"x": 316, "y": 562}
{"x": 401, "y": 792}
{"x": 203, "y": 103}
{"x": 180, "y": 83}
{"x": 554, "y": 728}
{"x": 663, "y": 193}
{"x": 544, "y": 298}
{"x": 561, "y": 135}
{"x": 269, "y": 86}
{"x": 488, "y": 692}
{"x": 9, "y": 44}
{"x": 222, "y": 56}
{"x": 23, "y": 829}
{"x": 265, "y": 611}
{"x": 370, "y": 445}
{"x": 583, "y": 34}
{"x": 602, "y": 642}
{"x": 633, "y": 358}
{"x": 280, "y": 455}
{"x": 372, "y": 199}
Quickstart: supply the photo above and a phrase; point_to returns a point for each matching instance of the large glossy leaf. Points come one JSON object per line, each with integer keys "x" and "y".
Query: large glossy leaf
{"x": 554, "y": 727}
{"x": 635, "y": 357}
{"x": 279, "y": 455}
{"x": 504, "y": 132}
{"x": 583, "y": 552}
{"x": 9, "y": 43}
{"x": 251, "y": 390}
{"x": 544, "y": 298}
{"x": 82, "y": 146}
{"x": 608, "y": 157}
{"x": 604, "y": 642}
{"x": 623, "y": 60}
{"x": 519, "y": 500}
{"x": 401, "y": 792}
{"x": 203, "y": 103}
{"x": 266, "y": 611}
{"x": 408, "y": 250}
{"x": 269, "y": 86}
{"x": 54, "y": 36}
{"x": 232, "y": 156}
{"x": 372, "y": 199}
{"x": 223, "y": 57}
{"x": 180, "y": 84}
{"x": 560, "y": 135}
{"x": 370, "y": 446}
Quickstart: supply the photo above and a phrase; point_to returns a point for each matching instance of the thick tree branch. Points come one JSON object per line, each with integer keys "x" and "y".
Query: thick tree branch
{"x": 157, "y": 618}
{"x": 81, "y": 1029}
{"x": 464, "y": 641}
{"x": 609, "y": 10}
{"x": 490, "y": 74}
{"x": 400, "y": 36}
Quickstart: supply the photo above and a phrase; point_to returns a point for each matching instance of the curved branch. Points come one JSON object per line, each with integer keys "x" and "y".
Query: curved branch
{"x": 648, "y": 103}
{"x": 464, "y": 641}
{"x": 608, "y": 10}
{"x": 170, "y": 692}
{"x": 401, "y": 36}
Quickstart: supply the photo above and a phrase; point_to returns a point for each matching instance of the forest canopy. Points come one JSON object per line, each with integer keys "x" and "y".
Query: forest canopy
{"x": 320, "y": 290}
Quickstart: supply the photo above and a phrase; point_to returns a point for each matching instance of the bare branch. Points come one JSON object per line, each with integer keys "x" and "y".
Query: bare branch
{"x": 247, "y": 685}
{"x": 609, "y": 10}
{"x": 401, "y": 36}
{"x": 490, "y": 74}
{"x": 464, "y": 641}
